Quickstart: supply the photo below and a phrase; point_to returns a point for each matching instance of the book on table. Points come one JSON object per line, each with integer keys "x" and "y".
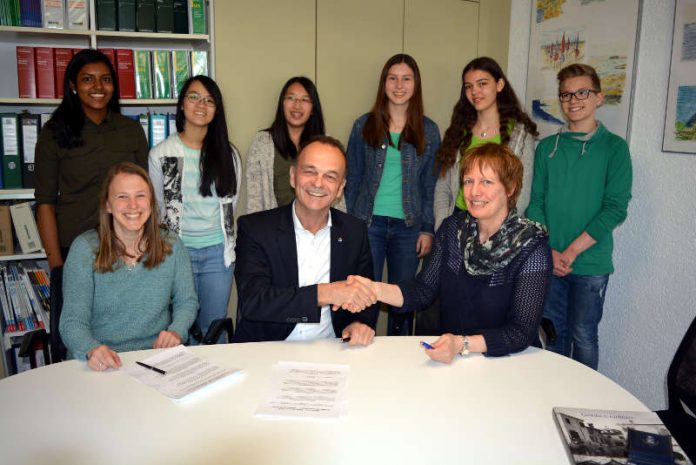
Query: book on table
{"x": 616, "y": 437}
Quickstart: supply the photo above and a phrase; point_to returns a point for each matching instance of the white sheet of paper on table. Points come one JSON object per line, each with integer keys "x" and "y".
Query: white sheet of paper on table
{"x": 303, "y": 390}
{"x": 186, "y": 373}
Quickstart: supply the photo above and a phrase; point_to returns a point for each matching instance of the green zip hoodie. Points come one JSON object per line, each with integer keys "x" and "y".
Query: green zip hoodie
{"x": 582, "y": 182}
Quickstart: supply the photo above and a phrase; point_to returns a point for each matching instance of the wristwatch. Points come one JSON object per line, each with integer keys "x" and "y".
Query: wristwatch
{"x": 465, "y": 346}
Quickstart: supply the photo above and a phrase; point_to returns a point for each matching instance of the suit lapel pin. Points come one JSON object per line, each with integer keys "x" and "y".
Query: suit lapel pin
{"x": 339, "y": 239}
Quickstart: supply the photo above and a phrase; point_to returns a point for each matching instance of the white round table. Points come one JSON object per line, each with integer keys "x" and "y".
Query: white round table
{"x": 402, "y": 409}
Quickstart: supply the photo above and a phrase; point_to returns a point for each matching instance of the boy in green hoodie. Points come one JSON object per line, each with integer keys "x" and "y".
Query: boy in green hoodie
{"x": 580, "y": 191}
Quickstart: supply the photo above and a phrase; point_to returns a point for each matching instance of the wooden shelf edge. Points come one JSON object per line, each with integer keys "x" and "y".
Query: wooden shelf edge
{"x": 46, "y": 30}
{"x": 98, "y": 33}
{"x": 12, "y": 194}
{"x": 30, "y": 256}
{"x": 153, "y": 35}
{"x": 56, "y": 102}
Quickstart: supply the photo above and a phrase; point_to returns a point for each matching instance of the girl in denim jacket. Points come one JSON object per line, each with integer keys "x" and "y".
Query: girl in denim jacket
{"x": 391, "y": 178}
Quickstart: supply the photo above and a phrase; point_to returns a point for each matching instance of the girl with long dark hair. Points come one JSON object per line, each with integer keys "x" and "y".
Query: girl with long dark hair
{"x": 487, "y": 111}
{"x": 298, "y": 118}
{"x": 84, "y": 137}
{"x": 391, "y": 179}
{"x": 196, "y": 177}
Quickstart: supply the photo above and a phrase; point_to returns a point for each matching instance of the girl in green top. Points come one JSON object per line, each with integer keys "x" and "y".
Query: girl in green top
{"x": 391, "y": 177}
{"x": 487, "y": 111}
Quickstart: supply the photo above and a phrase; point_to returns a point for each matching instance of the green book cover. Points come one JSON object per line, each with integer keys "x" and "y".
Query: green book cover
{"x": 164, "y": 15}
{"x": 106, "y": 15}
{"x": 11, "y": 162}
{"x": 145, "y": 15}
{"x": 16, "y": 18}
{"x": 161, "y": 73}
{"x": 199, "y": 63}
{"x": 143, "y": 74}
{"x": 181, "y": 69}
{"x": 126, "y": 15}
{"x": 197, "y": 21}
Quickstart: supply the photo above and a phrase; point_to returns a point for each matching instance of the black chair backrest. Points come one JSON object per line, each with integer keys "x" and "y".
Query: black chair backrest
{"x": 58, "y": 350}
{"x": 681, "y": 377}
{"x": 31, "y": 342}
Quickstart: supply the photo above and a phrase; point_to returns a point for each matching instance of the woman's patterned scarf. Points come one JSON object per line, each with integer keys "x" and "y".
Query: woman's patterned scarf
{"x": 501, "y": 248}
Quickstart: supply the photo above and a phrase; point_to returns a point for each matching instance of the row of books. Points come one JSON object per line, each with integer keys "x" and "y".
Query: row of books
{"x": 24, "y": 296}
{"x": 56, "y": 14}
{"x": 171, "y": 16}
{"x": 142, "y": 74}
{"x": 157, "y": 126}
{"x": 20, "y": 132}
{"x": 168, "y": 16}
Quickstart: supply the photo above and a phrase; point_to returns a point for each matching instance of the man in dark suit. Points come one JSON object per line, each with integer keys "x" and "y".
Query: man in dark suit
{"x": 293, "y": 261}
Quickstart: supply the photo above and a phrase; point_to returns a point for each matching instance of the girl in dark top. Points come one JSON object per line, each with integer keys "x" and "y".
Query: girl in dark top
{"x": 298, "y": 118}
{"x": 490, "y": 267}
{"x": 85, "y": 136}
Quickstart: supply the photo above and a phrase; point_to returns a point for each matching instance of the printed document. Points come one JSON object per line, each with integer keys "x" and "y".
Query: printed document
{"x": 185, "y": 372}
{"x": 306, "y": 391}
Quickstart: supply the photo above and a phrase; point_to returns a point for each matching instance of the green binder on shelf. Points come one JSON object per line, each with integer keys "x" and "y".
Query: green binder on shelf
{"x": 106, "y": 15}
{"x": 126, "y": 15}
{"x": 164, "y": 15}
{"x": 199, "y": 63}
{"x": 11, "y": 160}
{"x": 161, "y": 74}
{"x": 145, "y": 15}
{"x": 143, "y": 74}
{"x": 181, "y": 67}
{"x": 197, "y": 11}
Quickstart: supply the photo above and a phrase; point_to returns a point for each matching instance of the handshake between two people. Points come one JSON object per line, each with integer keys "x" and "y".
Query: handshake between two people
{"x": 354, "y": 294}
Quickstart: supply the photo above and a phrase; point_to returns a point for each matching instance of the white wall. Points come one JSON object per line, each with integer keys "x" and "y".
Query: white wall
{"x": 651, "y": 298}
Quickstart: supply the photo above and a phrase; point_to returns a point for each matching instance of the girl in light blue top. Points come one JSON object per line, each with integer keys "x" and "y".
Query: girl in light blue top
{"x": 128, "y": 284}
{"x": 195, "y": 173}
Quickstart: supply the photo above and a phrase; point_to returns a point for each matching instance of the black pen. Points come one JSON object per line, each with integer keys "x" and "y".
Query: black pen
{"x": 346, "y": 339}
{"x": 150, "y": 367}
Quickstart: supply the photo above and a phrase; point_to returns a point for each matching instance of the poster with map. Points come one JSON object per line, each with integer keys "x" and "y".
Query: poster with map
{"x": 600, "y": 33}
{"x": 680, "y": 121}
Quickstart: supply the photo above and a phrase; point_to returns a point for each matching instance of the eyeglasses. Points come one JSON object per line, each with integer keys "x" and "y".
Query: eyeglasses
{"x": 295, "y": 99}
{"x": 194, "y": 98}
{"x": 581, "y": 94}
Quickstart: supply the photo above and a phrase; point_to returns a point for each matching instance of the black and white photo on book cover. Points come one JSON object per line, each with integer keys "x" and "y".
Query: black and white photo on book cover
{"x": 594, "y": 437}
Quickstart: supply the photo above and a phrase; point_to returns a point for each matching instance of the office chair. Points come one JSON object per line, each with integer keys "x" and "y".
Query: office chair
{"x": 217, "y": 327}
{"x": 58, "y": 350}
{"x": 681, "y": 393}
{"x": 32, "y": 342}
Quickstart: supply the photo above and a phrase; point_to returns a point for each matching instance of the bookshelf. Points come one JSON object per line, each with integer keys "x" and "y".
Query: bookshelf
{"x": 13, "y": 36}
{"x": 10, "y": 338}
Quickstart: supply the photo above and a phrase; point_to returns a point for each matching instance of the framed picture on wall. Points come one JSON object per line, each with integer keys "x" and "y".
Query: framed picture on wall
{"x": 595, "y": 32}
{"x": 680, "y": 120}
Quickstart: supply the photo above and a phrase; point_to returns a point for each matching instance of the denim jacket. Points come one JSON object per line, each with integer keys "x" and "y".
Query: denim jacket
{"x": 365, "y": 167}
